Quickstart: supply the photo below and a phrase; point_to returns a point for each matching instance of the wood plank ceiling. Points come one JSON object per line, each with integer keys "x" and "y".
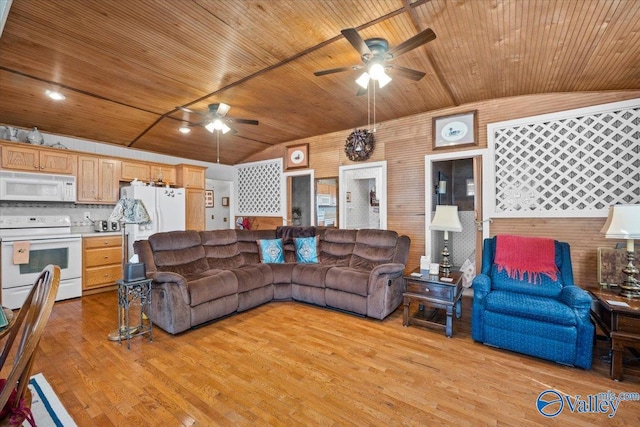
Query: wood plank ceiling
{"x": 125, "y": 66}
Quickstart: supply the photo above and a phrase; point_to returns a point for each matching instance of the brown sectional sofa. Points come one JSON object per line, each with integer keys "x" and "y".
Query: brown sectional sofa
{"x": 202, "y": 276}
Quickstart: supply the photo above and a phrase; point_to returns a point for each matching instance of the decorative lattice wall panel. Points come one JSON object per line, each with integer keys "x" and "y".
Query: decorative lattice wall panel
{"x": 259, "y": 188}
{"x": 573, "y": 163}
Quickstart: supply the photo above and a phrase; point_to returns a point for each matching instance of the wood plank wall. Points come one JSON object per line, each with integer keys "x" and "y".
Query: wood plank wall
{"x": 405, "y": 142}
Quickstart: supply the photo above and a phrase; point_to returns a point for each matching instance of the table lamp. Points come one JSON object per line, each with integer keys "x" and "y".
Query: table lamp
{"x": 623, "y": 222}
{"x": 127, "y": 211}
{"x": 446, "y": 219}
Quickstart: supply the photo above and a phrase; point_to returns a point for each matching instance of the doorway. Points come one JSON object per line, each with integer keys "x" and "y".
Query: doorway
{"x": 456, "y": 179}
{"x": 300, "y": 206}
{"x": 363, "y": 196}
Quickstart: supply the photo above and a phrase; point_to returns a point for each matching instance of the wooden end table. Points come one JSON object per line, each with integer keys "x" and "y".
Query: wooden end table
{"x": 434, "y": 292}
{"x": 619, "y": 319}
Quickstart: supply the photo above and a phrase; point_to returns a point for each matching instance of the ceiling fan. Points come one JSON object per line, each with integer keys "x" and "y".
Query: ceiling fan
{"x": 376, "y": 55}
{"x": 217, "y": 119}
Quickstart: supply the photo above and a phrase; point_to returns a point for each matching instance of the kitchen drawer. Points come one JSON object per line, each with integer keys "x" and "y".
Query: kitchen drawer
{"x": 102, "y": 242}
{"x": 434, "y": 290}
{"x": 103, "y": 256}
{"x": 101, "y": 276}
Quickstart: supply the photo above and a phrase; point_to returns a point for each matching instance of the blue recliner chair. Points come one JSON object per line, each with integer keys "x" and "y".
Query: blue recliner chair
{"x": 549, "y": 319}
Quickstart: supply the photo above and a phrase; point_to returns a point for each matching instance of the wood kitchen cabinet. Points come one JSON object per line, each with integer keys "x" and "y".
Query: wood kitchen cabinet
{"x": 192, "y": 178}
{"x": 163, "y": 174}
{"x": 195, "y": 209}
{"x": 97, "y": 180}
{"x": 33, "y": 159}
{"x": 132, "y": 170}
{"x": 101, "y": 263}
{"x": 189, "y": 176}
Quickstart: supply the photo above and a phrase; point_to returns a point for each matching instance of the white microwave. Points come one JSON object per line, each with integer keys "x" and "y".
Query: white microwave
{"x": 37, "y": 187}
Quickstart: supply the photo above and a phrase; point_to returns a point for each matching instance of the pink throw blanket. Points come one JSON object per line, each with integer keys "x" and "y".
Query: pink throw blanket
{"x": 532, "y": 255}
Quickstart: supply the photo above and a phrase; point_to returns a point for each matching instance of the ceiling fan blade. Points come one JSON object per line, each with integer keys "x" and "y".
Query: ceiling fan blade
{"x": 243, "y": 121}
{"x": 407, "y": 73}
{"x": 219, "y": 109}
{"x": 356, "y": 41}
{"x": 331, "y": 71}
{"x": 186, "y": 110}
{"x": 361, "y": 91}
{"x": 223, "y": 109}
{"x": 418, "y": 40}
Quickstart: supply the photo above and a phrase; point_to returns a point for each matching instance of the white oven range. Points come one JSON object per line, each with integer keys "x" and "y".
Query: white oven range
{"x": 48, "y": 240}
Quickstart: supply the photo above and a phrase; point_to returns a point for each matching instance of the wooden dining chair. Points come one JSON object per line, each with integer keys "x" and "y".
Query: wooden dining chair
{"x": 20, "y": 345}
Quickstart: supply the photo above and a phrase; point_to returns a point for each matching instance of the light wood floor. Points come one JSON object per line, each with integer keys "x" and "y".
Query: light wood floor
{"x": 294, "y": 364}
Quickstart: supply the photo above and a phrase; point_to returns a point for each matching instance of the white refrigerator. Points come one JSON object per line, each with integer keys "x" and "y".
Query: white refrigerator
{"x": 166, "y": 207}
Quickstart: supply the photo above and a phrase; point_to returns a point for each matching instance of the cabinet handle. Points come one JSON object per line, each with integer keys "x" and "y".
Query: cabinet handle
{"x": 426, "y": 289}
{"x": 106, "y": 257}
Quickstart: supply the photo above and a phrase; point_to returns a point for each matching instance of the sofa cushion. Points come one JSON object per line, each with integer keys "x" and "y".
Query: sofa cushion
{"x": 306, "y": 249}
{"x": 253, "y": 276}
{"x": 530, "y": 307}
{"x": 336, "y": 246}
{"x": 210, "y": 285}
{"x": 544, "y": 287}
{"x": 348, "y": 279}
{"x": 310, "y": 274}
{"x": 221, "y": 249}
{"x": 372, "y": 248}
{"x": 271, "y": 251}
{"x": 247, "y": 243}
{"x": 282, "y": 272}
{"x": 179, "y": 252}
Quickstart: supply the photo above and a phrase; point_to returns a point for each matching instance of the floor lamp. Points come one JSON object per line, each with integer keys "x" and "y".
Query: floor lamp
{"x": 446, "y": 219}
{"x": 127, "y": 211}
{"x": 623, "y": 222}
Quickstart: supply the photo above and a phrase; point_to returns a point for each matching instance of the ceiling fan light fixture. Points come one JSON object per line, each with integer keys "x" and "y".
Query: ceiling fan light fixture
{"x": 376, "y": 71}
{"x": 383, "y": 79}
{"x": 217, "y": 124}
{"x": 57, "y": 96}
{"x": 363, "y": 80}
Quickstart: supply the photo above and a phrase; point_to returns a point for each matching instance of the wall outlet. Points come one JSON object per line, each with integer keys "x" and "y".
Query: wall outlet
{"x": 87, "y": 215}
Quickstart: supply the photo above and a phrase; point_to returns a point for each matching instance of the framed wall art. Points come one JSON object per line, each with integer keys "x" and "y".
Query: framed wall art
{"x": 297, "y": 156}
{"x": 455, "y": 131}
{"x": 208, "y": 198}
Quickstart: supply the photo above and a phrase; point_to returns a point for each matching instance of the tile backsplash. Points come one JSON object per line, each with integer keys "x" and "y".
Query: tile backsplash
{"x": 75, "y": 212}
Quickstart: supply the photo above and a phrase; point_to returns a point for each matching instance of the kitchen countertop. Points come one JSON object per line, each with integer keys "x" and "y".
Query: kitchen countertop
{"x": 85, "y": 233}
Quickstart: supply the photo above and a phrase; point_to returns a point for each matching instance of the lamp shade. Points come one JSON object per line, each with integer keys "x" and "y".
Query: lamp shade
{"x": 130, "y": 211}
{"x": 446, "y": 219}
{"x": 623, "y": 222}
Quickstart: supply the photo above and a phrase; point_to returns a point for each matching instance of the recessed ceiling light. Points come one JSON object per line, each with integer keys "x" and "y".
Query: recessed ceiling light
{"x": 55, "y": 95}
{"x": 184, "y": 129}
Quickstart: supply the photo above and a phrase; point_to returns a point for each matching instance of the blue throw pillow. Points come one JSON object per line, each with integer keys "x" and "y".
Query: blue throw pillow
{"x": 306, "y": 249}
{"x": 271, "y": 251}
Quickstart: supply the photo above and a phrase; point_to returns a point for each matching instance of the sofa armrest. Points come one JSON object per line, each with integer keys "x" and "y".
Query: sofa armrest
{"x": 481, "y": 285}
{"x": 168, "y": 277}
{"x": 390, "y": 271}
{"x": 576, "y": 298}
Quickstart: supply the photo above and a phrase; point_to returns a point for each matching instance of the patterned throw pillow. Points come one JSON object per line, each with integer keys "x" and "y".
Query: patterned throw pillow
{"x": 271, "y": 251}
{"x": 306, "y": 249}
